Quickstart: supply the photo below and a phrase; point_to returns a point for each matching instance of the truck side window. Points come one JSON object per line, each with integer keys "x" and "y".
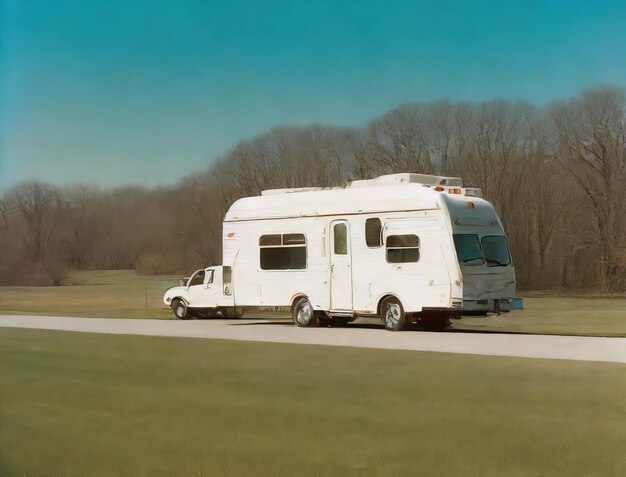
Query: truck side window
{"x": 197, "y": 279}
{"x": 403, "y": 248}
{"x": 283, "y": 252}
{"x": 373, "y": 229}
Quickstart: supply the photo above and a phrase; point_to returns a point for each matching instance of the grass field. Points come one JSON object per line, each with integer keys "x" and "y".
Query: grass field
{"x": 125, "y": 294}
{"x": 100, "y": 293}
{"x": 81, "y": 404}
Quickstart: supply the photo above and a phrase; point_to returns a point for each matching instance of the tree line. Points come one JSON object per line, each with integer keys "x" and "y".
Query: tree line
{"x": 556, "y": 175}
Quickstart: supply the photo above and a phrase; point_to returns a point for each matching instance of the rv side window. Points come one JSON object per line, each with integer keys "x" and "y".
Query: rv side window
{"x": 373, "y": 229}
{"x": 270, "y": 240}
{"x": 403, "y": 248}
{"x": 282, "y": 252}
{"x": 340, "y": 233}
{"x": 209, "y": 278}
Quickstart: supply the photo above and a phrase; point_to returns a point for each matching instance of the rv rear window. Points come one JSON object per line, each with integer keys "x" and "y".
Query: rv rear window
{"x": 373, "y": 228}
{"x": 403, "y": 248}
{"x": 282, "y": 252}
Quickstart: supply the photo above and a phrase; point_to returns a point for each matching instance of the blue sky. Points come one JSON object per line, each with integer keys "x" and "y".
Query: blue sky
{"x": 120, "y": 92}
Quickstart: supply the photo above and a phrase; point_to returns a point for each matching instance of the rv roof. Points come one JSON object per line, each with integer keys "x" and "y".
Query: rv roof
{"x": 343, "y": 201}
{"x": 409, "y": 178}
{"x": 389, "y": 179}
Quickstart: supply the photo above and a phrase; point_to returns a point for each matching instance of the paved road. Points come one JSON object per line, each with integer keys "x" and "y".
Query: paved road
{"x": 529, "y": 346}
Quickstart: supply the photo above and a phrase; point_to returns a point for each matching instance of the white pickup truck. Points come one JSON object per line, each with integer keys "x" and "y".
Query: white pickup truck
{"x": 207, "y": 293}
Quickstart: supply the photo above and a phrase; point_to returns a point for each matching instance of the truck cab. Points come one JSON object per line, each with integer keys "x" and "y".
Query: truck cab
{"x": 207, "y": 293}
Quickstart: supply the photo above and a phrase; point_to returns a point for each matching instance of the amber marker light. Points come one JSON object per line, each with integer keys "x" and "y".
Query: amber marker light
{"x": 470, "y": 205}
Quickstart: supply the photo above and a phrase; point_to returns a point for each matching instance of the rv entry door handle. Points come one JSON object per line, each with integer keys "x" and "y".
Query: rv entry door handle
{"x": 332, "y": 269}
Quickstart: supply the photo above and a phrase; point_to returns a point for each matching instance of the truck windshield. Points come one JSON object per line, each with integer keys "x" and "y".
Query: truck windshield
{"x": 496, "y": 250}
{"x": 468, "y": 249}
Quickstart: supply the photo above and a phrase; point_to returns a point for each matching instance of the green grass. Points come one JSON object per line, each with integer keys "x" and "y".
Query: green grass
{"x": 125, "y": 294}
{"x": 100, "y": 293}
{"x": 99, "y": 405}
{"x": 568, "y": 316}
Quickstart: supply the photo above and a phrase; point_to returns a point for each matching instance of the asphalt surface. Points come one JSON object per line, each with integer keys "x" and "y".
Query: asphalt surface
{"x": 494, "y": 344}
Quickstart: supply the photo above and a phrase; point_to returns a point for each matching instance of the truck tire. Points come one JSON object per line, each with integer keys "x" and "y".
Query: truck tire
{"x": 180, "y": 309}
{"x": 303, "y": 314}
{"x": 393, "y": 314}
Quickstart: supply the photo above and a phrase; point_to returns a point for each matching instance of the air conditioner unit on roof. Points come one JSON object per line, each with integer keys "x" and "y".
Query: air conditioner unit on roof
{"x": 409, "y": 178}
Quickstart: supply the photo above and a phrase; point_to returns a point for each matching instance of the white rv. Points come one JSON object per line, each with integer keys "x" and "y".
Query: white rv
{"x": 402, "y": 247}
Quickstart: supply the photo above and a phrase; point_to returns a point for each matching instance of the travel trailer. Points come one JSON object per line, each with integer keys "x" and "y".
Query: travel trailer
{"x": 402, "y": 247}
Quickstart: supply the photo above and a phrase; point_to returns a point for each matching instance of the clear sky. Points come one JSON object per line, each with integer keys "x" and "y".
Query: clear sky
{"x": 119, "y": 92}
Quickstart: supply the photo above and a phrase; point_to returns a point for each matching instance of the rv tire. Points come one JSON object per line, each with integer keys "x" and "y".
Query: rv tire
{"x": 180, "y": 309}
{"x": 303, "y": 314}
{"x": 393, "y": 314}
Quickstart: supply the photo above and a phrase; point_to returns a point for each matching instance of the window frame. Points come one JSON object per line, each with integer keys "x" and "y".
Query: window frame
{"x": 281, "y": 246}
{"x": 387, "y": 248}
{"x": 334, "y": 242}
{"x": 380, "y": 233}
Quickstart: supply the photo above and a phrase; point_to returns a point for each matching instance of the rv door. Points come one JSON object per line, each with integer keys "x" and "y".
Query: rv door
{"x": 340, "y": 266}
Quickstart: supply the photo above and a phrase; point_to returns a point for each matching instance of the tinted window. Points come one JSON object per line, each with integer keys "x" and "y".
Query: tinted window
{"x": 228, "y": 272}
{"x": 496, "y": 250}
{"x": 373, "y": 227}
{"x": 282, "y": 252}
{"x": 283, "y": 258}
{"x": 403, "y": 248}
{"x": 270, "y": 240}
{"x": 293, "y": 239}
{"x": 340, "y": 233}
{"x": 468, "y": 249}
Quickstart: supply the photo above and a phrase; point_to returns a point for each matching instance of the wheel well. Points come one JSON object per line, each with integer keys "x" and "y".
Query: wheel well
{"x": 379, "y": 310}
{"x": 181, "y": 299}
{"x": 295, "y": 299}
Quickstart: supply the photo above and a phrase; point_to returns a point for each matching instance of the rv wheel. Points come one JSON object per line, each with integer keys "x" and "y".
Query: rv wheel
{"x": 303, "y": 314}
{"x": 393, "y": 314}
{"x": 180, "y": 309}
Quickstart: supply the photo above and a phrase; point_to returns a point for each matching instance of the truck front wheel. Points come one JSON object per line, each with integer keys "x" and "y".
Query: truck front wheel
{"x": 180, "y": 309}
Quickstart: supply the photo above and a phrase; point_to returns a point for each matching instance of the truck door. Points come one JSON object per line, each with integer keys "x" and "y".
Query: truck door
{"x": 340, "y": 266}
{"x": 200, "y": 288}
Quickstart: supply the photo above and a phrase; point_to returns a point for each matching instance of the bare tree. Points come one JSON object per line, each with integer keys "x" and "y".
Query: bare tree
{"x": 592, "y": 149}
